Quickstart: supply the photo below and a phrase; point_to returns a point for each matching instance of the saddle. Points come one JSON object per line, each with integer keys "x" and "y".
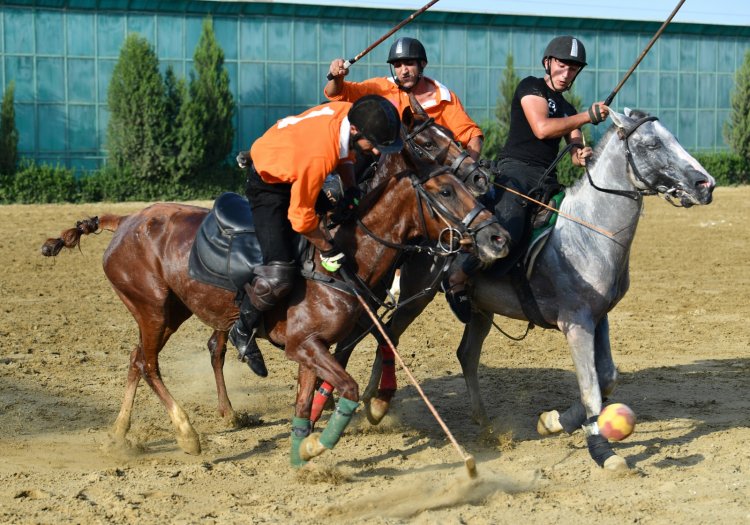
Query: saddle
{"x": 226, "y": 250}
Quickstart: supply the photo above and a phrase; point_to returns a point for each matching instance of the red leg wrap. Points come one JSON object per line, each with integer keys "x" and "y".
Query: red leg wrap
{"x": 388, "y": 374}
{"x": 320, "y": 398}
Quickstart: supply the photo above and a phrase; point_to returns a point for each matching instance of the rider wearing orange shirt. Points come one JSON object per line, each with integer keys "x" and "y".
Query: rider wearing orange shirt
{"x": 288, "y": 165}
{"x": 408, "y": 59}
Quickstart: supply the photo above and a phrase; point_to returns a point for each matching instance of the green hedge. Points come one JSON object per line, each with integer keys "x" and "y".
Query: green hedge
{"x": 42, "y": 184}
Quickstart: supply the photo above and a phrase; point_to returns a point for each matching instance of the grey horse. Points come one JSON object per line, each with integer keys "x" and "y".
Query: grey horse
{"x": 580, "y": 274}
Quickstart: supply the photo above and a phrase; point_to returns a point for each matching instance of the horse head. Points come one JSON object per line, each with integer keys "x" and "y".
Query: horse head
{"x": 658, "y": 164}
{"x": 429, "y": 142}
{"x": 436, "y": 205}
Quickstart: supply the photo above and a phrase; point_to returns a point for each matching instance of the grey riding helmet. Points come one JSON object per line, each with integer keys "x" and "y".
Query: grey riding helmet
{"x": 377, "y": 120}
{"x": 406, "y": 48}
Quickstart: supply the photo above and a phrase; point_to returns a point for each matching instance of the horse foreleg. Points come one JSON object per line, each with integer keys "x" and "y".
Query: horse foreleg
{"x": 301, "y": 423}
{"x": 217, "y": 347}
{"x": 313, "y": 354}
{"x": 468, "y": 353}
{"x": 574, "y": 417}
{"x": 415, "y": 282}
{"x": 580, "y": 337}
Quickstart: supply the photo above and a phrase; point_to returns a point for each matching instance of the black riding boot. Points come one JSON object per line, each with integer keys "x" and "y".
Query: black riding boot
{"x": 242, "y": 336}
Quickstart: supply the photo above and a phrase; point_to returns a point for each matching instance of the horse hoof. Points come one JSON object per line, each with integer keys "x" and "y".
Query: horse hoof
{"x": 311, "y": 447}
{"x": 549, "y": 423}
{"x": 190, "y": 444}
{"x": 376, "y": 410}
{"x": 615, "y": 464}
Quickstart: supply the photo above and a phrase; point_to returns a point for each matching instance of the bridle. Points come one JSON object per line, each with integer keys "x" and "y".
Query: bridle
{"x": 423, "y": 154}
{"x": 646, "y": 189}
{"x": 452, "y": 236}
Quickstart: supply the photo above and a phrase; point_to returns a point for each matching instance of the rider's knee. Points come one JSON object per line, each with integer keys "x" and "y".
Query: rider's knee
{"x": 272, "y": 283}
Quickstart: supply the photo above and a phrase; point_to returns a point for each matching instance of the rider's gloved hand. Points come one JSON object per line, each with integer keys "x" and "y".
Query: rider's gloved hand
{"x": 332, "y": 260}
{"x": 243, "y": 159}
{"x": 347, "y": 206}
{"x": 598, "y": 112}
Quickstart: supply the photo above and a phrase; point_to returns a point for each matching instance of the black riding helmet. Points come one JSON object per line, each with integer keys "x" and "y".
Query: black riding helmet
{"x": 406, "y": 48}
{"x": 377, "y": 120}
{"x": 566, "y": 49}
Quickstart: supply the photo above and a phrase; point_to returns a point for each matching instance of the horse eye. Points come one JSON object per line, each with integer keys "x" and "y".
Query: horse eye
{"x": 446, "y": 191}
{"x": 428, "y": 145}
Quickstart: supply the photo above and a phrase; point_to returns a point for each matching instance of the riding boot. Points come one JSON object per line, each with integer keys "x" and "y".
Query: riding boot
{"x": 242, "y": 336}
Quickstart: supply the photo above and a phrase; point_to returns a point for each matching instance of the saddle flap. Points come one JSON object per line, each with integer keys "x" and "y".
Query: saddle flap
{"x": 226, "y": 249}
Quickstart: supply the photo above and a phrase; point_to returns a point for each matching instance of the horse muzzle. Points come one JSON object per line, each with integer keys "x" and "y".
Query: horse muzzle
{"x": 491, "y": 243}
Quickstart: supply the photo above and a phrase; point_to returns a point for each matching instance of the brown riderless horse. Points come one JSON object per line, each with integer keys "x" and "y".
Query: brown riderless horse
{"x": 147, "y": 264}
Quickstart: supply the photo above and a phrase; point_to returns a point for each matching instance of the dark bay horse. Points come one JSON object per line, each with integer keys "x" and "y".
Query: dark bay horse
{"x": 147, "y": 264}
{"x": 579, "y": 276}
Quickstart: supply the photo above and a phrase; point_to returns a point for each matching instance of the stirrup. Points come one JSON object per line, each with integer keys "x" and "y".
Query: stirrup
{"x": 458, "y": 300}
{"x": 247, "y": 348}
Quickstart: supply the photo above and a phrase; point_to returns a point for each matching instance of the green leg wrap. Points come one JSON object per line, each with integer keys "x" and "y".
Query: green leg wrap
{"x": 338, "y": 422}
{"x": 301, "y": 428}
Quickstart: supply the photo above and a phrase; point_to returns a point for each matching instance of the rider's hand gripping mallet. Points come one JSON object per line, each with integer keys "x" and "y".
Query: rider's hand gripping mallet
{"x": 380, "y": 40}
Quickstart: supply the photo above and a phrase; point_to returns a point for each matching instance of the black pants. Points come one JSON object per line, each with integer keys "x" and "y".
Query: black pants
{"x": 270, "y": 205}
{"x": 509, "y": 208}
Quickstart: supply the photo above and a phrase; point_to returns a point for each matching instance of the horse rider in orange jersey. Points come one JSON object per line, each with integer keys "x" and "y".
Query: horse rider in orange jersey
{"x": 286, "y": 170}
{"x": 540, "y": 118}
{"x": 408, "y": 60}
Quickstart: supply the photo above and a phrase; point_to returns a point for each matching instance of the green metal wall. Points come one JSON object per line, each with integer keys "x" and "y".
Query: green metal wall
{"x": 61, "y": 55}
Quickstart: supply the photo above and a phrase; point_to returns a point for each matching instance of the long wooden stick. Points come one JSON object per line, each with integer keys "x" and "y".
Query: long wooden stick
{"x": 380, "y": 40}
{"x": 561, "y": 214}
{"x": 468, "y": 459}
{"x": 643, "y": 54}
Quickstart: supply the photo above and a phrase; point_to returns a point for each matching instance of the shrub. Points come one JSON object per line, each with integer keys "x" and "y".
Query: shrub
{"x": 138, "y": 135}
{"x": 8, "y": 133}
{"x": 737, "y": 127}
{"x": 206, "y": 133}
{"x": 41, "y": 184}
{"x": 727, "y": 168}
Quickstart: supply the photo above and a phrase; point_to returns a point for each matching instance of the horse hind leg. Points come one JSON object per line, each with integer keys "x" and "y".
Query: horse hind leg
{"x": 217, "y": 347}
{"x": 122, "y": 423}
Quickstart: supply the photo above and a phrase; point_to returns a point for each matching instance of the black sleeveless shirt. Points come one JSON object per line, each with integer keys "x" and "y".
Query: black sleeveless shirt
{"x": 522, "y": 144}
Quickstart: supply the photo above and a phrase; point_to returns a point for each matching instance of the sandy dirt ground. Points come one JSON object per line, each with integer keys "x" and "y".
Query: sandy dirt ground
{"x": 681, "y": 339}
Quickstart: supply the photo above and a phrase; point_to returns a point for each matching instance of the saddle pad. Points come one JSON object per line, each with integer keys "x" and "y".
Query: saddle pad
{"x": 226, "y": 248}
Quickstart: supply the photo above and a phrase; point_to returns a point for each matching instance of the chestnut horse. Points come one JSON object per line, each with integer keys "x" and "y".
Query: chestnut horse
{"x": 147, "y": 264}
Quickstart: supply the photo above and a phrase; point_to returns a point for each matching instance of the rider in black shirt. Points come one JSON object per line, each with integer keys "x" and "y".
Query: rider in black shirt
{"x": 539, "y": 118}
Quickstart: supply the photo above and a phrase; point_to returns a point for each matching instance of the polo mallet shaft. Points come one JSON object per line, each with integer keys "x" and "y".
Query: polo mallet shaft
{"x": 643, "y": 54}
{"x": 380, "y": 40}
{"x": 561, "y": 214}
{"x": 468, "y": 459}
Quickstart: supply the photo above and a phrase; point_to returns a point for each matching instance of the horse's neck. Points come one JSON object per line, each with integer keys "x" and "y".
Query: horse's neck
{"x": 390, "y": 218}
{"x": 617, "y": 215}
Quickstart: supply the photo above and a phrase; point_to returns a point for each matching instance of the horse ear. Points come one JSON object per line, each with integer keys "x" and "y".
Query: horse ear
{"x": 619, "y": 119}
{"x": 407, "y": 117}
{"x": 416, "y": 107}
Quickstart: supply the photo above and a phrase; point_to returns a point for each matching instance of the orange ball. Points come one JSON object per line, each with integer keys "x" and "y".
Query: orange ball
{"x": 616, "y": 422}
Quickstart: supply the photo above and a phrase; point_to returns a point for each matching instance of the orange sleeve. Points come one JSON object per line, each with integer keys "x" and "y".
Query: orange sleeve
{"x": 459, "y": 122}
{"x": 305, "y": 192}
{"x": 352, "y": 91}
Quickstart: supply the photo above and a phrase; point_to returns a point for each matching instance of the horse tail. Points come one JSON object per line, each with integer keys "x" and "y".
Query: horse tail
{"x": 72, "y": 237}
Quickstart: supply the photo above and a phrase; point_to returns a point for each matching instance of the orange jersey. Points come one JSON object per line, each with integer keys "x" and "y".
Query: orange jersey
{"x": 446, "y": 108}
{"x": 302, "y": 150}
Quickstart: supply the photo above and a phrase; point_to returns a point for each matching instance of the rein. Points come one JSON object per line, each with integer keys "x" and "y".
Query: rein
{"x": 638, "y": 194}
{"x": 422, "y": 153}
